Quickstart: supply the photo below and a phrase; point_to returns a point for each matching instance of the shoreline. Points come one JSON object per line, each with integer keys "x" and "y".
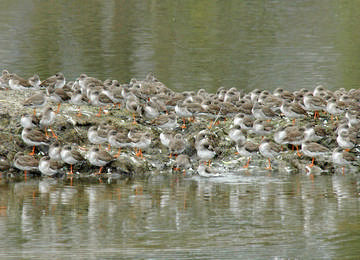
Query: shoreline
{"x": 73, "y": 129}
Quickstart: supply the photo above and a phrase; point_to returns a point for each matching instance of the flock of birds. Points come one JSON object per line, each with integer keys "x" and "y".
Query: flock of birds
{"x": 314, "y": 125}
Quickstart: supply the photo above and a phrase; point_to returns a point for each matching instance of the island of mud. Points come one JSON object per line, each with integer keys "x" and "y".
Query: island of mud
{"x": 144, "y": 128}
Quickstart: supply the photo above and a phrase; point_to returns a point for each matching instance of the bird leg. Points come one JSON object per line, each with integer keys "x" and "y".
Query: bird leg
{"x": 25, "y": 175}
{"x": 118, "y": 153}
{"x": 53, "y": 133}
{"x": 33, "y": 151}
{"x": 312, "y": 162}
{"x": 183, "y": 125}
{"x": 139, "y": 153}
{"x": 71, "y": 170}
{"x": 247, "y": 164}
{"x": 316, "y": 114}
{"x": 269, "y": 167}
{"x": 134, "y": 121}
{"x": 100, "y": 170}
{"x": 46, "y": 134}
{"x": 298, "y": 153}
{"x": 58, "y": 108}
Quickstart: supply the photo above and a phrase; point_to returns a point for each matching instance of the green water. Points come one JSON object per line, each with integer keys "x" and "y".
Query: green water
{"x": 236, "y": 216}
{"x": 188, "y": 45}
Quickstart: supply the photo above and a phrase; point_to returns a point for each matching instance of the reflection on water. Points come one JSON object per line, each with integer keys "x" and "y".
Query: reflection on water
{"x": 188, "y": 44}
{"x": 164, "y": 217}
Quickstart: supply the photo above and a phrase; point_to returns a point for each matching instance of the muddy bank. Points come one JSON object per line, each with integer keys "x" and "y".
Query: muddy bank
{"x": 72, "y": 129}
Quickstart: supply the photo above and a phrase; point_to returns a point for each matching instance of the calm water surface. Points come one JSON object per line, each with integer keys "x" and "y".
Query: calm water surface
{"x": 237, "y": 216}
{"x": 189, "y": 45}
